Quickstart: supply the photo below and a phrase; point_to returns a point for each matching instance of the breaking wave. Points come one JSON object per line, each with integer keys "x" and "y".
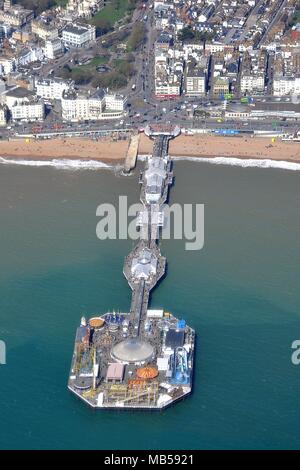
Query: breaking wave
{"x": 245, "y": 163}
{"x": 64, "y": 164}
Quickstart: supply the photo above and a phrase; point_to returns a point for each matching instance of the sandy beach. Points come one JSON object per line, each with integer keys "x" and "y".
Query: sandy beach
{"x": 76, "y": 148}
{"x": 189, "y": 146}
{"x": 240, "y": 147}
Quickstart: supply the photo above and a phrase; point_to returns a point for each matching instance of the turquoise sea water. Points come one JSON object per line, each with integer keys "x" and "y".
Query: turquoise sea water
{"x": 241, "y": 294}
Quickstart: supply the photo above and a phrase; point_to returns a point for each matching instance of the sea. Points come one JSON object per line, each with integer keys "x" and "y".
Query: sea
{"x": 240, "y": 293}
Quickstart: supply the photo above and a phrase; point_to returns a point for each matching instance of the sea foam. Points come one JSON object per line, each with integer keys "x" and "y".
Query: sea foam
{"x": 65, "y": 164}
{"x": 245, "y": 163}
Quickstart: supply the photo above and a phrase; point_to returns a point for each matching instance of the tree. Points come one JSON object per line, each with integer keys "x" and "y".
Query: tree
{"x": 113, "y": 80}
{"x": 103, "y": 26}
{"x": 38, "y": 6}
{"x": 186, "y": 34}
{"x": 126, "y": 69}
{"x": 136, "y": 37}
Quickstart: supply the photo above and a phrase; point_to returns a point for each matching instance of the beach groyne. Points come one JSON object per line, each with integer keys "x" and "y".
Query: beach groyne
{"x": 132, "y": 153}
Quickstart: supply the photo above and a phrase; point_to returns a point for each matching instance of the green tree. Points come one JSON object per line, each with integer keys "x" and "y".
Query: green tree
{"x": 38, "y": 6}
{"x": 113, "y": 80}
{"x": 103, "y": 26}
{"x": 186, "y": 34}
{"x": 126, "y": 69}
{"x": 136, "y": 37}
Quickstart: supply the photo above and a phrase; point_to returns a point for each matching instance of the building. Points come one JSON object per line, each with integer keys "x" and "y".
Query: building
{"x": 115, "y": 102}
{"x": 43, "y": 30}
{"x": 252, "y": 83}
{"x": 7, "y": 5}
{"x": 20, "y": 35}
{"x": 7, "y": 64}
{"x": 5, "y": 31}
{"x": 214, "y": 47}
{"x": 53, "y": 48}
{"x": 285, "y": 85}
{"x": 195, "y": 82}
{"x": 75, "y": 35}
{"x": 80, "y": 107}
{"x": 17, "y": 95}
{"x": 237, "y": 111}
{"x": 84, "y": 8}
{"x": 167, "y": 89}
{"x": 28, "y": 55}
{"x": 278, "y": 110}
{"x": 220, "y": 86}
{"x": 16, "y": 15}
{"x": 144, "y": 265}
{"x": 115, "y": 372}
{"x": 295, "y": 33}
{"x": 52, "y": 88}
{"x": 3, "y": 115}
{"x": 85, "y": 107}
{"x": 28, "y": 111}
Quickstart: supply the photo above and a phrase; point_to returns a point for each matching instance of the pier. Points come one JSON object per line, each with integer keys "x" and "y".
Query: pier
{"x": 144, "y": 358}
{"x": 145, "y": 265}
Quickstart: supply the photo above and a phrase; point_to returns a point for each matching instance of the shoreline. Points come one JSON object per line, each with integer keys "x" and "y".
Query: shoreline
{"x": 201, "y": 146}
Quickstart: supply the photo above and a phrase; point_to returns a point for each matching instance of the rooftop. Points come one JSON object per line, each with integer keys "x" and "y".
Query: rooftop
{"x": 115, "y": 371}
{"x": 132, "y": 350}
{"x": 19, "y": 92}
{"x": 76, "y": 29}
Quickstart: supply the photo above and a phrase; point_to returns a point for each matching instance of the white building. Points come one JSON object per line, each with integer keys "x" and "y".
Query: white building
{"x": 28, "y": 111}
{"x": 3, "y": 115}
{"x": 16, "y": 95}
{"x": 252, "y": 82}
{"x": 77, "y": 107}
{"x": 84, "y": 8}
{"x": 75, "y": 35}
{"x": 82, "y": 107}
{"x": 7, "y": 65}
{"x": 167, "y": 89}
{"x": 53, "y": 48}
{"x": 5, "y": 30}
{"x": 195, "y": 82}
{"x": 214, "y": 47}
{"x": 283, "y": 85}
{"x": 115, "y": 102}
{"x": 52, "y": 88}
{"x": 155, "y": 176}
{"x": 29, "y": 55}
